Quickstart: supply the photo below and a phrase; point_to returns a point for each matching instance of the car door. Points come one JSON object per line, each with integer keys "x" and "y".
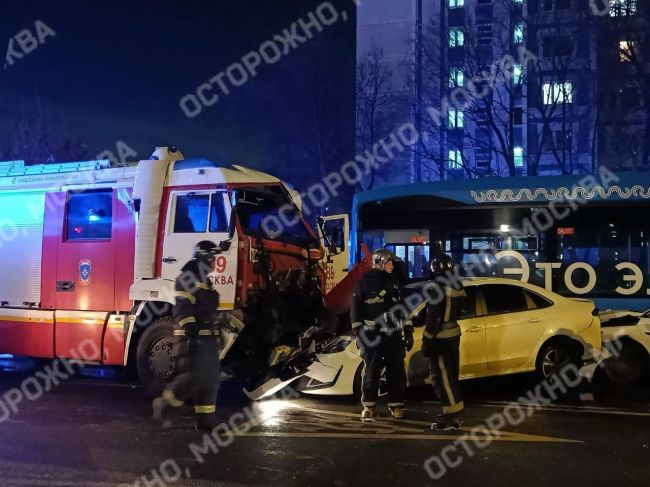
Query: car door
{"x": 514, "y": 324}
{"x": 473, "y": 360}
{"x": 193, "y": 216}
{"x": 335, "y": 241}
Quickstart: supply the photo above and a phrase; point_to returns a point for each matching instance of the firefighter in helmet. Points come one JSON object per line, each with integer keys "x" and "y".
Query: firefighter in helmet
{"x": 196, "y": 330}
{"x": 382, "y": 333}
{"x": 441, "y": 342}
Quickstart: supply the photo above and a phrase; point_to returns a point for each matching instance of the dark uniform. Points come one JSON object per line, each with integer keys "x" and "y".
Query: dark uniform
{"x": 379, "y": 338}
{"x": 441, "y": 344}
{"x": 196, "y": 323}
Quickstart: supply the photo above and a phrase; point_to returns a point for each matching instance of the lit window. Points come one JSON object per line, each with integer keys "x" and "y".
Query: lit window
{"x": 456, "y": 37}
{"x": 626, "y": 50}
{"x": 456, "y": 78}
{"x": 455, "y": 159}
{"x": 518, "y": 35}
{"x": 557, "y": 93}
{"x": 456, "y": 3}
{"x": 517, "y": 73}
{"x": 519, "y": 156}
{"x": 456, "y": 119}
{"x": 619, "y": 8}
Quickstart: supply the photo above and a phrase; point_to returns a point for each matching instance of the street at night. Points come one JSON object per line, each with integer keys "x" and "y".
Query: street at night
{"x": 99, "y": 432}
{"x": 324, "y": 243}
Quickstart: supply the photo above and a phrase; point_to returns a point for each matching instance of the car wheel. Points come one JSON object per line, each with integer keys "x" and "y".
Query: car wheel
{"x": 155, "y": 355}
{"x": 554, "y": 357}
{"x": 629, "y": 368}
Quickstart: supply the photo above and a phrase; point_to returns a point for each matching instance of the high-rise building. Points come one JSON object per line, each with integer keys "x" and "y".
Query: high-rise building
{"x": 515, "y": 87}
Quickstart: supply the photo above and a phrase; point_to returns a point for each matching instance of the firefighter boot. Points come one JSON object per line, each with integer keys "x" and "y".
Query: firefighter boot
{"x": 368, "y": 414}
{"x": 397, "y": 412}
{"x": 158, "y": 405}
{"x": 168, "y": 399}
{"x": 206, "y": 422}
{"x": 447, "y": 423}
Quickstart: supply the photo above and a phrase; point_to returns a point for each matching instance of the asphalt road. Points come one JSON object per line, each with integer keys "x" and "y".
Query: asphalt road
{"x": 98, "y": 432}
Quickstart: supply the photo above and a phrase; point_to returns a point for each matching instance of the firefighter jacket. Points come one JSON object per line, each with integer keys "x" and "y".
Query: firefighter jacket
{"x": 195, "y": 311}
{"x": 376, "y": 303}
{"x": 442, "y": 317}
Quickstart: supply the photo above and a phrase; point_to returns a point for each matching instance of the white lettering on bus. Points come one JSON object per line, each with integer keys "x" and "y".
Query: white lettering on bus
{"x": 568, "y": 278}
{"x": 636, "y": 277}
{"x": 524, "y": 271}
{"x": 548, "y": 272}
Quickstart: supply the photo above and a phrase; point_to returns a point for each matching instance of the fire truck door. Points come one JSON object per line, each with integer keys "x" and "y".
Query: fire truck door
{"x": 85, "y": 272}
{"x": 193, "y": 216}
{"x": 334, "y": 233}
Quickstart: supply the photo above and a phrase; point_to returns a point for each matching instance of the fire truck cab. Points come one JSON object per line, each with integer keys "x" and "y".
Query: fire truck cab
{"x": 89, "y": 254}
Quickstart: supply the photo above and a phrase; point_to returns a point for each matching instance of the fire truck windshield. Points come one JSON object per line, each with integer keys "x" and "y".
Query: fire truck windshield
{"x": 273, "y": 216}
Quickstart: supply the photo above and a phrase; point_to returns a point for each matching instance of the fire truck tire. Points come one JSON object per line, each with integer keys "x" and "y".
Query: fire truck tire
{"x": 155, "y": 355}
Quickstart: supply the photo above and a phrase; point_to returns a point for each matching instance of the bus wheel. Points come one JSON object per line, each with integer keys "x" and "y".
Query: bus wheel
{"x": 155, "y": 355}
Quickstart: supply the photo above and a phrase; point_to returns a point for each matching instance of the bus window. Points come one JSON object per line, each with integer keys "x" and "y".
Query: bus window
{"x": 416, "y": 258}
{"x": 602, "y": 248}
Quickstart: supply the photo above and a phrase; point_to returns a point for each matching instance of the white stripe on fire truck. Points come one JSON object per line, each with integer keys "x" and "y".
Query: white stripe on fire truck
{"x": 71, "y": 321}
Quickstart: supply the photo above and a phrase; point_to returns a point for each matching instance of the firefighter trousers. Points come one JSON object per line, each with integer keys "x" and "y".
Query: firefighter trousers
{"x": 379, "y": 350}
{"x": 445, "y": 369}
{"x": 197, "y": 375}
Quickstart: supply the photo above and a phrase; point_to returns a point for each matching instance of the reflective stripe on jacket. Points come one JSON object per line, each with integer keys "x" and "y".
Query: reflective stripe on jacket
{"x": 376, "y": 303}
{"x": 442, "y": 317}
{"x": 196, "y": 305}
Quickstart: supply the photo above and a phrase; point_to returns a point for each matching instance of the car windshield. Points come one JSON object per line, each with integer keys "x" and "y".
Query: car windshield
{"x": 271, "y": 215}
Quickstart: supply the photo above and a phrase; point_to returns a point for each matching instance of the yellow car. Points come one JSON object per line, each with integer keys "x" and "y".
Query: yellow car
{"x": 511, "y": 327}
{"x": 517, "y": 327}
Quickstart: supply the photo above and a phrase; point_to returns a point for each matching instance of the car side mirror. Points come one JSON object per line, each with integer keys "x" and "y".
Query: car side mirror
{"x": 224, "y": 245}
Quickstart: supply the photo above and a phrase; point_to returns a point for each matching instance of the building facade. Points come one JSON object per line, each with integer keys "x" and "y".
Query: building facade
{"x": 517, "y": 87}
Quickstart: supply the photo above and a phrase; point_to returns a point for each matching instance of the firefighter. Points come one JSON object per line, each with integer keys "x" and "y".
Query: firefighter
{"x": 378, "y": 325}
{"x": 196, "y": 329}
{"x": 441, "y": 343}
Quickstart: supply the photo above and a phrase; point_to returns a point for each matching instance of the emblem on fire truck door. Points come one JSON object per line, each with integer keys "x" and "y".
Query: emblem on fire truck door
{"x": 85, "y": 269}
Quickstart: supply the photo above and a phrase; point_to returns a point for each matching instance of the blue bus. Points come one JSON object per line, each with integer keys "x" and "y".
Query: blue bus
{"x": 582, "y": 236}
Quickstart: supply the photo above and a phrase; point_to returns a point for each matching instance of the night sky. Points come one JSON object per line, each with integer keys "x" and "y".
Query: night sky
{"x": 117, "y": 71}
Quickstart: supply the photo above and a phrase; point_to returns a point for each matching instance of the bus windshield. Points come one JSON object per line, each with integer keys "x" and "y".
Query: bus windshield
{"x": 271, "y": 215}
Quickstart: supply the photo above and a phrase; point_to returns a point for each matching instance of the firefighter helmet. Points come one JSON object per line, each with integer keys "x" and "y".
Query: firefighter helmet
{"x": 441, "y": 264}
{"x": 206, "y": 251}
{"x": 381, "y": 257}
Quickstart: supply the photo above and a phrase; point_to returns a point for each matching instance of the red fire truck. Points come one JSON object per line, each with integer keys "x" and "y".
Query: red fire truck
{"x": 90, "y": 252}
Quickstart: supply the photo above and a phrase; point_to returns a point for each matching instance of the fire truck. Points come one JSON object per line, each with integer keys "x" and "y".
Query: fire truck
{"x": 89, "y": 254}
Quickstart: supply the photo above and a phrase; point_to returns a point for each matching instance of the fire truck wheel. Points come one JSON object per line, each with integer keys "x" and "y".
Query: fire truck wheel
{"x": 155, "y": 355}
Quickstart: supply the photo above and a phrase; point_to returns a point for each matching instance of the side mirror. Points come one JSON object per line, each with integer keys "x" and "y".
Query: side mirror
{"x": 224, "y": 245}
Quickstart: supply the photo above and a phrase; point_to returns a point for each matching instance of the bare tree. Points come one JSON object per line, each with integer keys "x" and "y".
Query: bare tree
{"x": 376, "y": 103}
{"x": 39, "y": 140}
